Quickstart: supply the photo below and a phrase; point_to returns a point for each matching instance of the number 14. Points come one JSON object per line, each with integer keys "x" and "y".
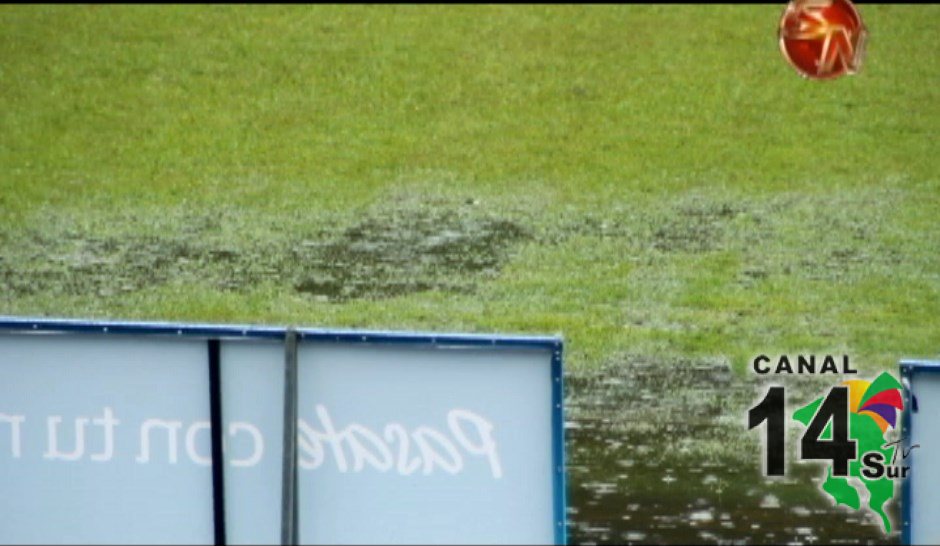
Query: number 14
{"x": 835, "y": 408}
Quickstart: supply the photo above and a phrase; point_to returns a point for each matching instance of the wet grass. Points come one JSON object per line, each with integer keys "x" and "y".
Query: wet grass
{"x": 696, "y": 276}
{"x": 652, "y": 182}
{"x": 539, "y": 169}
{"x": 393, "y": 253}
{"x": 495, "y": 168}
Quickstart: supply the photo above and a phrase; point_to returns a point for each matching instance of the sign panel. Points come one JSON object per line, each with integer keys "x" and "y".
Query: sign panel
{"x": 253, "y": 411}
{"x": 101, "y": 441}
{"x": 921, "y": 504}
{"x": 107, "y": 436}
{"x": 449, "y": 443}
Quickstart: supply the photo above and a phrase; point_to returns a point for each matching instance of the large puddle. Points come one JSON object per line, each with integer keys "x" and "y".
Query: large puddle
{"x": 658, "y": 452}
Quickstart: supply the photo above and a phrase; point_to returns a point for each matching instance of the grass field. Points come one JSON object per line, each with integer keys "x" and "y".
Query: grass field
{"x": 644, "y": 179}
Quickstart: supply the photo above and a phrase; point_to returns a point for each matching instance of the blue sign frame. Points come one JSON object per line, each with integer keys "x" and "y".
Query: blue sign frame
{"x": 554, "y": 344}
{"x": 908, "y": 369}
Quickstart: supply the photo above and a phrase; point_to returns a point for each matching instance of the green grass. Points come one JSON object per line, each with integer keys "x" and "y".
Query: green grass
{"x": 752, "y": 211}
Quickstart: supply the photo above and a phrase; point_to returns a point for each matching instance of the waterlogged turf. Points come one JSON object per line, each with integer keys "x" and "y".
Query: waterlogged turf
{"x": 650, "y": 181}
{"x": 656, "y": 456}
{"x": 696, "y": 275}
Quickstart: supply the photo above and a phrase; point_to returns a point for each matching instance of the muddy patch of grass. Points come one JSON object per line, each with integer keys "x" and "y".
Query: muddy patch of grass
{"x": 403, "y": 253}
{"x": 384, "y": 254}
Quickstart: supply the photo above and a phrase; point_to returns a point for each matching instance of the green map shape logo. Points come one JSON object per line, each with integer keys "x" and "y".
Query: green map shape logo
{"x": 868, "y": 430}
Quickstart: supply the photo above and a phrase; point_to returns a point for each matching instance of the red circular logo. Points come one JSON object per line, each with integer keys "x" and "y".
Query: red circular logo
{"x": 822, "y": 39}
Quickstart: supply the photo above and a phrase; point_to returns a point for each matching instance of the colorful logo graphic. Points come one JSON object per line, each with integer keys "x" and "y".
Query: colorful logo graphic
{"x": 873, "y": 408}
{"x": 822, "y": 39}
{"x": 848, "y": 428}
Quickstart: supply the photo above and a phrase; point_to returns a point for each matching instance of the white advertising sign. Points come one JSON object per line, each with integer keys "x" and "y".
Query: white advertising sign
{"x": 108, "y": 435}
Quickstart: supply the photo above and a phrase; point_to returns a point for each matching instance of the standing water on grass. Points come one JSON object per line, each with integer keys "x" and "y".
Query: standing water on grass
{"x": 659, "y": 452}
